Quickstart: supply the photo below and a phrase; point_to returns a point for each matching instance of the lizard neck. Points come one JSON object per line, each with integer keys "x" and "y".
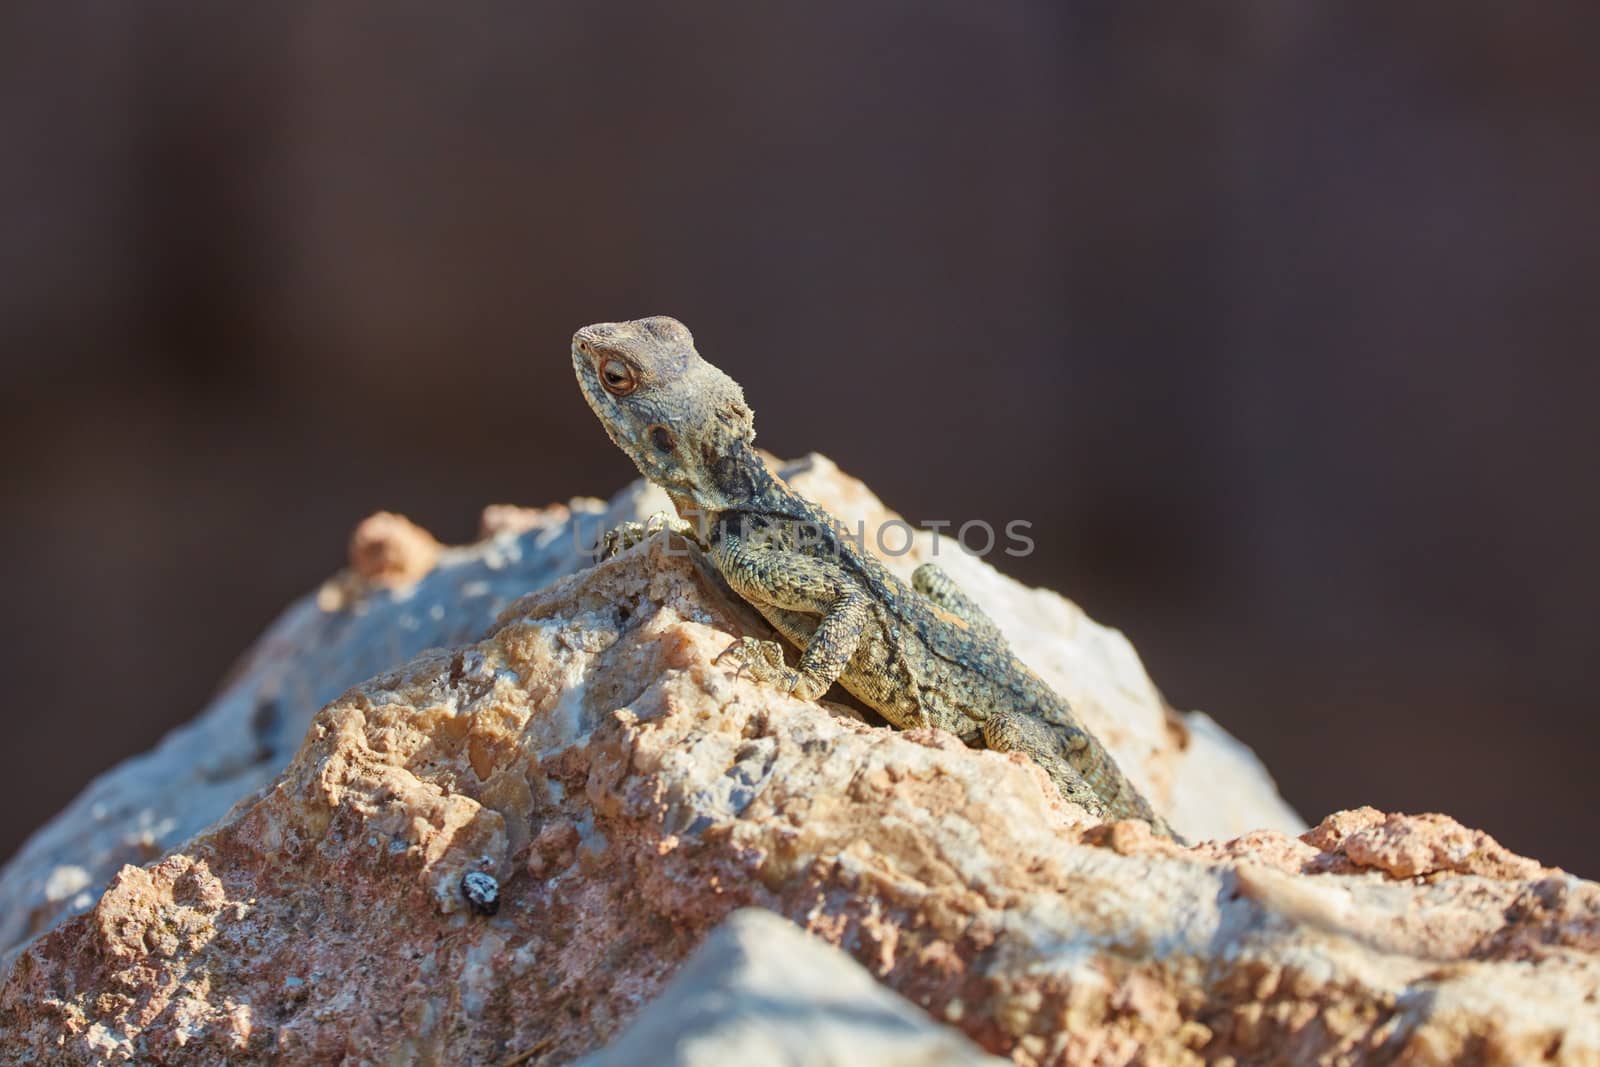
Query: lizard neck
{"x": 739, "y": 481}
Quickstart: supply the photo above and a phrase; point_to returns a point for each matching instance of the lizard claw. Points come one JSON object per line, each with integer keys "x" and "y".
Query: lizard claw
{"x": 730, "y": 650}
{"x": 614, "y": 541}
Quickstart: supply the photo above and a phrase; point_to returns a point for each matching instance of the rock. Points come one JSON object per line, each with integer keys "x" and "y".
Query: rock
{"x": 389, "y": 549}
{"x": 361, "y": 622}
{"x": 760, "y": 992}
{"x": 626, "y": 795}
{"x": 404, "y": 594}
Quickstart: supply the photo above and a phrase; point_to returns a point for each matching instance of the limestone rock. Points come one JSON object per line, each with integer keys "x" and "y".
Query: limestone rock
{"x": 760, "y": 992}
{"x": 403, "y": 594}
{"x": 389, "y": 549}
{"x": 623, "y": 794}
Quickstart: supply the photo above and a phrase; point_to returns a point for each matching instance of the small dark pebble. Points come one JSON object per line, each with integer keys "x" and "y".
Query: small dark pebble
{"x": 482, "y": 892}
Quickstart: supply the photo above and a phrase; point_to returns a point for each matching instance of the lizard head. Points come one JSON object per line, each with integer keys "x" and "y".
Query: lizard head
{"x": 682, "y": 421}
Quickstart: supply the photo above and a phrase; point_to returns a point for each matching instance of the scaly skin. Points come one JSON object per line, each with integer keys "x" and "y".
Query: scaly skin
{"x": 922, "y": 656}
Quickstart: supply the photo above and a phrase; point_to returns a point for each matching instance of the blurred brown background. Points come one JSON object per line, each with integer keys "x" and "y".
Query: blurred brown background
{"x": 1278, "y": 320}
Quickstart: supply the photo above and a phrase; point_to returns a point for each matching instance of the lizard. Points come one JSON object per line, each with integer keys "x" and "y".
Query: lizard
{"x": 920, "y": 656}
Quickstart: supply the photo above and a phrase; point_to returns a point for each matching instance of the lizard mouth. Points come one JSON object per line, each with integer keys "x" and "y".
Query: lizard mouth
{"x": 681, "y": 486}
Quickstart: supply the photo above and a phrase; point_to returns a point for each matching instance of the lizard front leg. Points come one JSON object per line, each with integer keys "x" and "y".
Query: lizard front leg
{"x": 789, "y": 581}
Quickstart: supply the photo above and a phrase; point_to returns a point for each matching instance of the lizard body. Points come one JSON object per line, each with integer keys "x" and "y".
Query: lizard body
{"x": 924, "y": 655}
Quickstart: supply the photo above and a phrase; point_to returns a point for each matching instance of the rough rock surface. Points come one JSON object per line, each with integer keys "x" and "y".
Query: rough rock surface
{"x": 760, "y": 992}
{"x": 403, "y": 594}
{"x": 626, "y": 794}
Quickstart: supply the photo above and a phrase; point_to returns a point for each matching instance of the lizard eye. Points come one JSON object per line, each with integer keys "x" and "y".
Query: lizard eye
{"x": 617, "y": 377}
{"x": 662, "y": 438}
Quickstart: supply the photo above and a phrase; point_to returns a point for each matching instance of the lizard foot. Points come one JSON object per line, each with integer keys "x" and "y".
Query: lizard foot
{"x": 619, "y": 539}
{"x": 1050, "y": 747}
{"x": 764, "y": 661}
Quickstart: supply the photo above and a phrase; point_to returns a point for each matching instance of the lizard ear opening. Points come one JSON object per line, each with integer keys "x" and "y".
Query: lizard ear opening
{"x": 662, "y": 438}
